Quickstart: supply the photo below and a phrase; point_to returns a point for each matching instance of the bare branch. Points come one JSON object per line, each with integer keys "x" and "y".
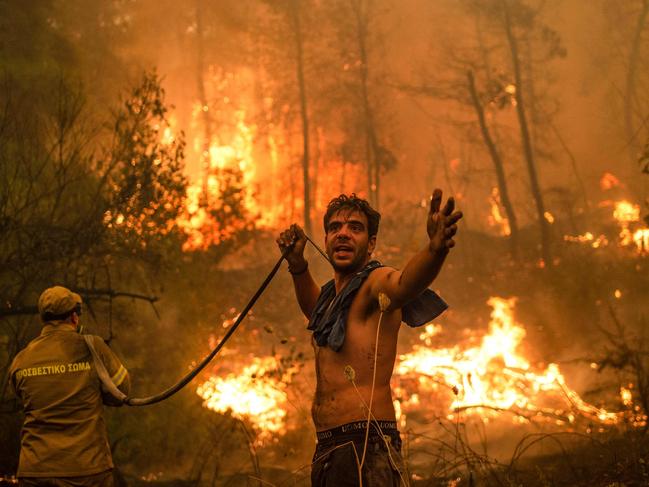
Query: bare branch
{"x": 89, "y": 295}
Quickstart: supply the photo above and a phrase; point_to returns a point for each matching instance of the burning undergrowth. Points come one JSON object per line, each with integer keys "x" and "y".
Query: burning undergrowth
{"x": 484, "y": 374}
{"x": 632, "y": 232}
{"x": 488, "y": 375}
{"x": 475, "y": 397}
{"x": 254, "y": 390}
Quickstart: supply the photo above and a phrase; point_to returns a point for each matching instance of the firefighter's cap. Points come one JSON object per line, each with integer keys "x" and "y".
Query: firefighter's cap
{"x": 56, "y": 302}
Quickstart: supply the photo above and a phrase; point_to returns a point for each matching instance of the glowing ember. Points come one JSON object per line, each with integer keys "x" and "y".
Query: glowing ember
{"x": 496, "y": 218}
{"x": 494, "y": 376}
{"x": 626, "y": 396}
{"x": 641, "y": 240}
{"x": 626, "y": 212}
{"x": 588, "y": 237}
{"x": 168, "y": 136}
{"x": 608, "y": 181}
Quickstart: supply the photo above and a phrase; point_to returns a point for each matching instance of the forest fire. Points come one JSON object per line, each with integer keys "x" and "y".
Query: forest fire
{"x": 486, "y": 376}
{"x": 224, "y": 198}
{"x": 219, "y": 199}
{"x": 150, "y": 156}
{"x": 492, "y": 377}
{"x": 243, "y": 175}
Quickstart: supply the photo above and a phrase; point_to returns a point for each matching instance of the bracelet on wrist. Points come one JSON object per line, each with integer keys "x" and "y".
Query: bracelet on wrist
{"x": 300, "y": 272}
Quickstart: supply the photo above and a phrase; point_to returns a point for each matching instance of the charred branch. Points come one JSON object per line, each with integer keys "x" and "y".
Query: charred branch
{"x": 89, "y": 296}
{"x": 498, "y": 164}
{"x": 526, "y": 139}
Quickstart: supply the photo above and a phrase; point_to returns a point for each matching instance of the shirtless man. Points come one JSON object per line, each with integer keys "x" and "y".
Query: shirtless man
{"x": 353, "y": 411}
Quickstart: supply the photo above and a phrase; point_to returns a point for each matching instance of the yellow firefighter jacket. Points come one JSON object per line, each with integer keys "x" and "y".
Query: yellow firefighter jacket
{"x": 64, "y": 434}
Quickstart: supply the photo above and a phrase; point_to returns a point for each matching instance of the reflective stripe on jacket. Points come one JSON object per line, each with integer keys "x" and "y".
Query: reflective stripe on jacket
{"x": 64, "y": 433}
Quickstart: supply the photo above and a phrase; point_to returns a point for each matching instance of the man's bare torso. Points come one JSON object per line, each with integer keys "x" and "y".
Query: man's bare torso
{"x": 351, "y": 226}
{"x": 337, "y": 399}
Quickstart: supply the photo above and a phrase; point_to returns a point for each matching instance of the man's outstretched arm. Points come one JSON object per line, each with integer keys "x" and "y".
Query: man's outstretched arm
{"x": 306, "y": 289}
{"x": 421, "y": 270}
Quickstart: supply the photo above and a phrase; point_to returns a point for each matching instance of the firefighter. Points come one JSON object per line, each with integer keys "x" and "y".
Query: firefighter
{"x": 63, "y": 439}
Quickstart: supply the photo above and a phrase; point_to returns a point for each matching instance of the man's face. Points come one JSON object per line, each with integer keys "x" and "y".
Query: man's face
{"x": 347, "y": 241}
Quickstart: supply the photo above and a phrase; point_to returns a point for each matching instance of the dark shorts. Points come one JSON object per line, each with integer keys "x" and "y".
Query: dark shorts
{"x": 102, "y": 479}
{"x": 339, "y": 452}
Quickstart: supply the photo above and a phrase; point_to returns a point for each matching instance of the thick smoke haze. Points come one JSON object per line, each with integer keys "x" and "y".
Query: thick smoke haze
{"x": 151, "y": 151}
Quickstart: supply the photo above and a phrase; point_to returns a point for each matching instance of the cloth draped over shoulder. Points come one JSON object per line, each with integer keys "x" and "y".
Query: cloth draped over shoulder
{"x": 329, "y": 320}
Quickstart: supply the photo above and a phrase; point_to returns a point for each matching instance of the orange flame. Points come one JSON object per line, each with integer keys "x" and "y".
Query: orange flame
{"x": 255, "y": 393}
{"x": 494, "y": 376}
{"x": 496, "y": 218}
{"x": 600, "y": 241}
{"x": 627, "y": 215}
{"x": 626, "y": 212}
{"x": 608, "y": 181}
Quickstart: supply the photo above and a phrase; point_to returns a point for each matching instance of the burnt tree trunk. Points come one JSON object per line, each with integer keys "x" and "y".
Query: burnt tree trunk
{"x": 371, "y": 142}
{"x": 294, "y": 13}
{"x": 526, "y": 142}
{"x": 573, "y": 163}
{"x": 634, "y": 58}
{"x": 498, "y": 166}
{"x": 202, "y": 96}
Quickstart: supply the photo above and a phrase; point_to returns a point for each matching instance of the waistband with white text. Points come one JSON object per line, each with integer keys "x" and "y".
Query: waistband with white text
{"x": 357, "y": 426}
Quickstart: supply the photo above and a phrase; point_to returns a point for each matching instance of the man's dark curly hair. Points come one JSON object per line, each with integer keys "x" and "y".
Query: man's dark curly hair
{"x": 353, "y": 203}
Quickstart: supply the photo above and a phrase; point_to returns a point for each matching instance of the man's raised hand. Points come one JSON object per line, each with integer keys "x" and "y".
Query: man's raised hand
{"x": 442, "y": 224}
{"x": 295, "y": 236}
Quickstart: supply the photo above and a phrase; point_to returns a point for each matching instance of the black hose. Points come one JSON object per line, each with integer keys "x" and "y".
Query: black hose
{"x": 145, "y": 401}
